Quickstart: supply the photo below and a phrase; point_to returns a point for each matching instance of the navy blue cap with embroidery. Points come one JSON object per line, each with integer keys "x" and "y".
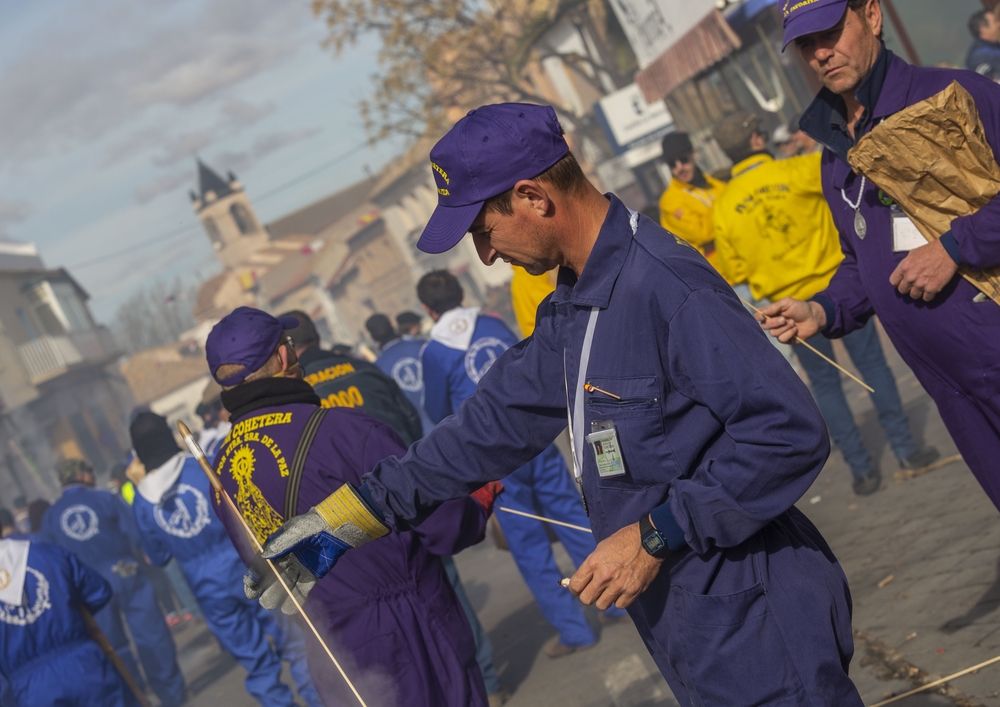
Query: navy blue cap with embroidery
{"x": 486, "y": 153}
{"x": 247, "y": 337}
{"x": 802, "y": 17}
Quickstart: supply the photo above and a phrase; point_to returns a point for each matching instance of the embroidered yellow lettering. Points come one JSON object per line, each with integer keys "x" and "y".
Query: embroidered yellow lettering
{"x": 329, "y": 374}
{"x": 797, "y": 6}
{"x": 444, "y": 175}
{"x": 349, "y": 398}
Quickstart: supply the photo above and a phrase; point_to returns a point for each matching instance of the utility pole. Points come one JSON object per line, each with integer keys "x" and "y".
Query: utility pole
{"x": 904, "y": 37}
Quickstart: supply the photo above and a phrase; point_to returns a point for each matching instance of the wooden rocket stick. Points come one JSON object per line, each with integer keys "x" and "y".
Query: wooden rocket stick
{"x": 544, "y": 520}
{"x": 213, "y": 478}
{"x": 942, "y": 681}
{"x": 100, "y": 639}
{"x": 833, "y": 363}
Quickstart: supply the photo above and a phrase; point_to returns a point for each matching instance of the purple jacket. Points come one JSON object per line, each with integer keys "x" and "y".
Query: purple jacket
{"x": 389, "y": 607}
{"x": 951, "y": 343}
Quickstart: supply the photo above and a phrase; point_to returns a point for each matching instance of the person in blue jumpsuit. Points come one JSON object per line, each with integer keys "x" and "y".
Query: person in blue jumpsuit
{"x": 399, "y": 358}
{"x": 99, "y": 528}
{"x": 692, "y": 437}
{"x": 47, "y": 657}
{"x": 174, "y": 520}
{"x": 463, "y": 346}
{"x": 984, "y": 54}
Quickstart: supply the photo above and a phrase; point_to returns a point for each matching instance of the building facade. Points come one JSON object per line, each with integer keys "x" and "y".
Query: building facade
{"x": 60, "y": 393}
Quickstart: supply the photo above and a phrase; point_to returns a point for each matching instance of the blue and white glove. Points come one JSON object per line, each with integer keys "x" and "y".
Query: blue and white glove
{"x": 305, "y": 548}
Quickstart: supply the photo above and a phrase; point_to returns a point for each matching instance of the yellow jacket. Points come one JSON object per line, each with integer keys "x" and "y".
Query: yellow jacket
{"x": 774, "y": 229}
{"x": 526, "y": 293}
{"x": 686, "y": 211}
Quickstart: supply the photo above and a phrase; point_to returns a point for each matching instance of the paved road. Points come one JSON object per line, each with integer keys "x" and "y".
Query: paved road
{"x": 935, "y": 535}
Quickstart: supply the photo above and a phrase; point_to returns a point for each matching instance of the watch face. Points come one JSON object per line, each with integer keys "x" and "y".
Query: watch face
{"x": 653, "y": 544}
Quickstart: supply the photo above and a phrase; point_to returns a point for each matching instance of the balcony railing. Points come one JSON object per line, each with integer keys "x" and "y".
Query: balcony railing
{"x": 49, "y": 356}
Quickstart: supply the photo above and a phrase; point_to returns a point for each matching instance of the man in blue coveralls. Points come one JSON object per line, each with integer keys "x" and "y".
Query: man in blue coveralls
{"x": 692, "y": 436}
{"x": 46, "y": 654}
{"x": 99, "y": 528}
{"x": 463, "y": 346}
{"x": 174, "y": 520}
{"x": 937, "y": 320}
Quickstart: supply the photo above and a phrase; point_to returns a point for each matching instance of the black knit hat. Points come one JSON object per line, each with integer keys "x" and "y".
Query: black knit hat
{"x": 676, "y": 145}
{"x": 152, "y": 440}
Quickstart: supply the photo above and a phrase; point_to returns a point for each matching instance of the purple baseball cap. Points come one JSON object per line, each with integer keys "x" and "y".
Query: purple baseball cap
{"x": 486, "y": 153}
{"x": 802, "y": 17}
{"x": 245, "y": 336}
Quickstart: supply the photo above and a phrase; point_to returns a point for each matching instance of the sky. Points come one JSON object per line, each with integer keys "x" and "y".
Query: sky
{"x": 105, "y": 104}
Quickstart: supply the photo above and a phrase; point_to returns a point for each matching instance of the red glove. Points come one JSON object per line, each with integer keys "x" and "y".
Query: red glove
{"x": 487, "y": 495}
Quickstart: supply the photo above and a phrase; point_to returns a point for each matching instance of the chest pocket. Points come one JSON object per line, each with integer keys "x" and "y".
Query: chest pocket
{"x": 637, "y": 413}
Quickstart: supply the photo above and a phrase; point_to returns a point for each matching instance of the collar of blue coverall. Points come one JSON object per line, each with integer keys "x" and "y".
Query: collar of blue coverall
{"x": 604, "y": 264}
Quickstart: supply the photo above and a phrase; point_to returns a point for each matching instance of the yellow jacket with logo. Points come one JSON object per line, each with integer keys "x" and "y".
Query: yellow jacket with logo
{"x": 686, "y": 211}
{"x": 774, "y": 229}
{"x": 526, "y": 293}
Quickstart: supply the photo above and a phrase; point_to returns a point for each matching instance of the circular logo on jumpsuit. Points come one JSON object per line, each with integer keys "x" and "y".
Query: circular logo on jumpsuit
{"x": 182, "y": 513}
{"x": 79, "y": 522}
{"x": 481, "y": 356}
{"x": 408, "y": 374}
{"x": 4, "y": 578}
{"x": 458, "y": 326}
{"x": 24, "y": 615}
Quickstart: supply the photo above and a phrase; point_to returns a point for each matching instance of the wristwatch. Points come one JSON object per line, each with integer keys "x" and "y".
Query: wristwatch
{"x": 653, "y": 541}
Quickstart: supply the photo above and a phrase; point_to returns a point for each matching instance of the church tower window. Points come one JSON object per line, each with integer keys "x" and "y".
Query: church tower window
{"x": 244, "y": 220}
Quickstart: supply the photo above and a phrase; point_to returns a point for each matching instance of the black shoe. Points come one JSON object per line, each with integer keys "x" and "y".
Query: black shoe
{"x": 867, "y": 485}
{"x": 920, "y": 459}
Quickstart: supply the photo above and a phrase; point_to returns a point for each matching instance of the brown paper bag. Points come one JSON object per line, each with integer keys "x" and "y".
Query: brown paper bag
{"x": 933, "y": 159}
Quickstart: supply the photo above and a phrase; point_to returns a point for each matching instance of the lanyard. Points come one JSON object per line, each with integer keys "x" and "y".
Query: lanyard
{"x": 576, "y": 419}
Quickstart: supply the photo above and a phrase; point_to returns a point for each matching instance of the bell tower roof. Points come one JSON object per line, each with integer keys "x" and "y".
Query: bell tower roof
{"x": 209, "y": 181}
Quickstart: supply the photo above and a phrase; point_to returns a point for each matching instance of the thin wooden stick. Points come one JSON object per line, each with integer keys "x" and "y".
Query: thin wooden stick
{"x": 544, "y": 520}
{"x": 100, "y": 639}
{"x": 929, "y": 685}
{"x": 196, "y": 450}
{"x": 829, "y": 360}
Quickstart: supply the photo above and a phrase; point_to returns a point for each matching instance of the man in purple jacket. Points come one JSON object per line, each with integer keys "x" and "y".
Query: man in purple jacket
{"x": 936, "y": 320}
{"x": 390, "y": 614}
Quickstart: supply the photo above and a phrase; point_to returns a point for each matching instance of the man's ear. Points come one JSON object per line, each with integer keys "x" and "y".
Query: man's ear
{"x": 533, "y": 195}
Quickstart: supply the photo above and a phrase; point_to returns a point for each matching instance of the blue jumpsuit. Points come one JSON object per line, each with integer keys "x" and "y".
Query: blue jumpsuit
{"x": 453, "y": 366}
{"x": 400, "y": 359}
{"x": 181, "y": 525}
{"x": 46, "y": 655}
{"x": 716, "y": 430}
{"x": 99, "y": 528}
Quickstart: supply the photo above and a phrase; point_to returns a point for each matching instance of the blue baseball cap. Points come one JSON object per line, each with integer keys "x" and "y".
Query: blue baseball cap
{"x": 486, "y": 153}
{"x": 802, "y": 17}
{"x": 245, "y": 336}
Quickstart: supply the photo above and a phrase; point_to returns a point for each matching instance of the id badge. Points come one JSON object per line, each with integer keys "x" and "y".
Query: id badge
{"x": 607, "y": 450}
{"x": 905, "y": 235}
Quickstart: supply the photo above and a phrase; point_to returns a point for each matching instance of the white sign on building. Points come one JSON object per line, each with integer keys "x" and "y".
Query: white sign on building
{"x": 653, "y": 26}
{"x": 631, "y": 119}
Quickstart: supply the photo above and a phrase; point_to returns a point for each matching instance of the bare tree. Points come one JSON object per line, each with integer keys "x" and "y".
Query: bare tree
{"x": 154, "y": 316}
{"x": 442, "y": 56}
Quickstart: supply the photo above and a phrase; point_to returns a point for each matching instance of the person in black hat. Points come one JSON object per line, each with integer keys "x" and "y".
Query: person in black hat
{"x": 686, "y": 205}
{"x": 175, "y": 521}
{"x": 344, "y": 381}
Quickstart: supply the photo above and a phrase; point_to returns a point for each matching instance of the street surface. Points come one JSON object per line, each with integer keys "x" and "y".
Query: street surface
{"x": 922, "y": 556}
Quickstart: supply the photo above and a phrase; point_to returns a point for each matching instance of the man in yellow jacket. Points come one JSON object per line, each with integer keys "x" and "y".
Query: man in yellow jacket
{"x": 774, "y": 229}
{"x": 686, "y": 205}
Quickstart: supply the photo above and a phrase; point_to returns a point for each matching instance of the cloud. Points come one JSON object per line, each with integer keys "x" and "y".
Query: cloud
{"x": 235, "y": 116}
{"x": 12, "y": 212}
{"x": 264, "y": 145}
{"x": 91, "y": 86}
{"x": 163, "y": 184}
